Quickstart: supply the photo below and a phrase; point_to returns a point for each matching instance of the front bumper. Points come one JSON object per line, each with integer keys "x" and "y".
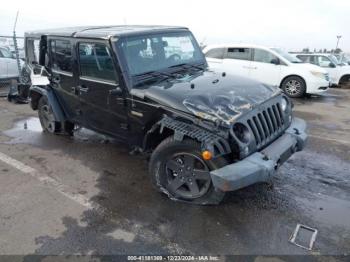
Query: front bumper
{"x": 317, "y": 87}
{"x": 261, "y": 166}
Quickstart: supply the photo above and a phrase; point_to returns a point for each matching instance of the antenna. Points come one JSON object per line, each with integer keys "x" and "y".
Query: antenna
{"x": 16, "y": 50}
{"x": 14, "y": 27}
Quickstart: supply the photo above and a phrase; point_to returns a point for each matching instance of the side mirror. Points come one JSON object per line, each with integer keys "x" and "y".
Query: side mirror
{"x": 275, "y": 61}
{"x": 331, "y": 65}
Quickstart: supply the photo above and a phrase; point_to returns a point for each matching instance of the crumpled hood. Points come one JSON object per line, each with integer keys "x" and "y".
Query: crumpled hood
{"x": 208, "y": 95}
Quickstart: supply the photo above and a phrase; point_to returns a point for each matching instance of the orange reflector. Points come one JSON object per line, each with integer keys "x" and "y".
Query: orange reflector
{"x": 206, "y": 155}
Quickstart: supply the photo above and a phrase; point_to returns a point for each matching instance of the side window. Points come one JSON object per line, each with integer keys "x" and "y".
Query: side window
{"x": 5, "y": 53}
{"x": 215, "y": 53}
{"x": 61, "y": 52}
{"x": 263, "y": 56}
{"x": 96, "y": 62}
{"x": 305, "y": 59}
{"x": 239, "y": 53}
{"x": 323, "y": 61}
{"x": 33, "y": 49}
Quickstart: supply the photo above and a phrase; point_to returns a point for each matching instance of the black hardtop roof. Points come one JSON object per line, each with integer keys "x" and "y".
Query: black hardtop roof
{"x": 103, "y": 32}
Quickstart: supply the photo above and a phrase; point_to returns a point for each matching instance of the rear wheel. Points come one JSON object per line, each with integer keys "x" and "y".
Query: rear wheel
{"x": 46, "y": 117}
{"x": 294, "y": 86}
{"x": 177, "y": 169}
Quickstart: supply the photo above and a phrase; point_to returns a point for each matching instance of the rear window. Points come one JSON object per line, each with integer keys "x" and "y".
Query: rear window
{"x": 61, "y": 55}
{"x": 32, "y": 49}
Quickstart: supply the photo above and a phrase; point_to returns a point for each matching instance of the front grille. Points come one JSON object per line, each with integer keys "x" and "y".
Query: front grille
{"x": 267, "y": 124}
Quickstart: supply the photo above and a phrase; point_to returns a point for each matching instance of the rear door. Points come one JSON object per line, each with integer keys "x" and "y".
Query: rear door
{"x": 263, "y": 68}
{"x": 102, "y": 99}
{"x": 237, "y": 61}
{"x": 63, "y": 82}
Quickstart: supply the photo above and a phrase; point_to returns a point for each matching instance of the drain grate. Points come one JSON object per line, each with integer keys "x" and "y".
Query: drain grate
{"x": 303, "y": 236}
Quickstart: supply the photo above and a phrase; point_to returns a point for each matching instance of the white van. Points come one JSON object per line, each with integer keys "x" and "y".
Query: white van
{"x": 339, "y": 73}
{"x": 271, "y": 66}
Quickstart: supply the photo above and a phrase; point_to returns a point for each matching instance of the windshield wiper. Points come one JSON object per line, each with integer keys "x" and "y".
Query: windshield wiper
{"x": 186, "y": 66}
{"x": 152, "y": 75}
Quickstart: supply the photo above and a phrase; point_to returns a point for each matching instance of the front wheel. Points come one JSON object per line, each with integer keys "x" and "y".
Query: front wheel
{"x": 178, "y": 170}
{"x": 294, "y": 86}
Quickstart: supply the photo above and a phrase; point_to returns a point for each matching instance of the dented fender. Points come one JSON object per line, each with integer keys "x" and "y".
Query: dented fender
{"x": 51, "y": 97}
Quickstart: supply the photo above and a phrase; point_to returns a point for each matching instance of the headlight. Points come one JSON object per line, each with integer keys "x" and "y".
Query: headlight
{"x": 241, "y": 132}
{"x": 318, "y": 74}
{"x": 284, "y": 104}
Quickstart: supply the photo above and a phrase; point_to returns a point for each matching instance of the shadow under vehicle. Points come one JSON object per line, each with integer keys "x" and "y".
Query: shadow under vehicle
{"x": 206, "y": 132}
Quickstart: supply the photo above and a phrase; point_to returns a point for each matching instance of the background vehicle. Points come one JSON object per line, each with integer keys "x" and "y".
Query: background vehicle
{"x": 343, "y": 58}
{"x": 8, "y": 65}
{"x": 271, "y": 66}
{"x": 338, "y": 73}
{"x": 150, "y": 86}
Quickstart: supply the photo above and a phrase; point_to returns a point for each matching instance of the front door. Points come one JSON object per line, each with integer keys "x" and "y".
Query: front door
{"x": 264, "y": 67}
{"x": 102, "y": 100}
{"x": 238, "y": 61}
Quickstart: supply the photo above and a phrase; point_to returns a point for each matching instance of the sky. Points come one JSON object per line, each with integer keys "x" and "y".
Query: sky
{"x": 290, "y": 24}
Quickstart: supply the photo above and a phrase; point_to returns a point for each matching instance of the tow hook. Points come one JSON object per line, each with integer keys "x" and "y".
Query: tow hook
{"x": 296, "y": 131}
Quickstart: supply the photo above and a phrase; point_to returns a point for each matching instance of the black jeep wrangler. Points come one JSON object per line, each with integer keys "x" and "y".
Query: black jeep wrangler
{"x": 206, "y": 132}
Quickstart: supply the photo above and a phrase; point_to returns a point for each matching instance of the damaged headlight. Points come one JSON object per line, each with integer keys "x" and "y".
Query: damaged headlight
{"x": 284, "y": 104}
{"x": 241, "y": 132}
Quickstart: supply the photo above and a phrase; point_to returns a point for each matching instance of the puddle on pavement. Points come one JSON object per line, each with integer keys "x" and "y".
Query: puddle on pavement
{"x": 328, "y": 210}
{"x": 29, "y": 131}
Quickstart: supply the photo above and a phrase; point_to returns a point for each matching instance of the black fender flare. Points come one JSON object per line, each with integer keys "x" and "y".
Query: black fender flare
{"x": 51, "y": 97}
{"x": 218, "y": 145}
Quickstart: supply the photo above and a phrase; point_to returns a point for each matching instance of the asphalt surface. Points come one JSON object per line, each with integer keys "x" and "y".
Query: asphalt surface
{"x": 88, "y": 195}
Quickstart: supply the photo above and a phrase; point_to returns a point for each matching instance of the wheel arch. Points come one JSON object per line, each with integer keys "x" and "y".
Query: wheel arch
{"x": 36, "y": 92}
{"x": 295, "y": 75}
{"x": 169, "y": 126}
{"x": 343, "y": 78}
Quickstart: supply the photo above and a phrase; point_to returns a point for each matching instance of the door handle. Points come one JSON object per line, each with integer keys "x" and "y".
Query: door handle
{"x": 83, "y": 89}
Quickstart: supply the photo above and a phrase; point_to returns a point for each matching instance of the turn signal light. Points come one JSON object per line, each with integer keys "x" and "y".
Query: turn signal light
{"x": 207, "y": 155}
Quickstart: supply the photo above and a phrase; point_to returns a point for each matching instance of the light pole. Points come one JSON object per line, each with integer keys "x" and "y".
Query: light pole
{"x": 338, "y": 38}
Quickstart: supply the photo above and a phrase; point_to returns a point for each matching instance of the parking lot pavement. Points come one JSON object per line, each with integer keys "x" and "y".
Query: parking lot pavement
{"x": 87, "y": 195}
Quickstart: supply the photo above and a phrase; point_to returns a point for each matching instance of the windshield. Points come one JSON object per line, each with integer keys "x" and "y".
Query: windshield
{"x": 5, "y": 53}
{"x": 158, "y": 52}
{"x": 287, "y": 56}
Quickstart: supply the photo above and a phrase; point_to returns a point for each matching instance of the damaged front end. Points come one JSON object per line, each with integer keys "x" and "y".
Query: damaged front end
{"x": 259, "y": 138}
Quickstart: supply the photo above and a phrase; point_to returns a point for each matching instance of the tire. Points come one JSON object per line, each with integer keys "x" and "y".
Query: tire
{"x": 344, "y": 81}
{"x": 46, "y": 117}
{"x": 294, "y": 86}
{"x": 191, "y": 182}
